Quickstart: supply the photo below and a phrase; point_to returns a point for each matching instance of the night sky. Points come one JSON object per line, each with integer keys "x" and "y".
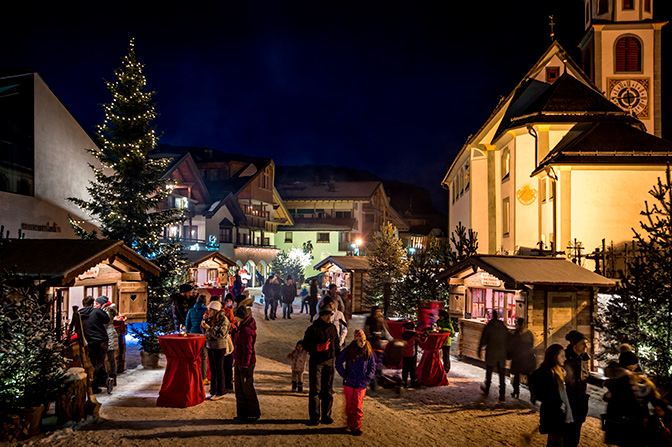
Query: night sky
{"x": 388, "y": 86}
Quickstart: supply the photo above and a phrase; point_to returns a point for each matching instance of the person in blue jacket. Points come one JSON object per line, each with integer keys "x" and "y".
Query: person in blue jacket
{"x": 193, "y": 323}
{"x": 357, "y": 367}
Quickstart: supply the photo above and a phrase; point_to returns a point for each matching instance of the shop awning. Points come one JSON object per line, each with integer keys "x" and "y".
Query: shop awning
{"x": 345, "y": 263}
{"x": 519, "y": 271}
{"x": 61, "y": 260}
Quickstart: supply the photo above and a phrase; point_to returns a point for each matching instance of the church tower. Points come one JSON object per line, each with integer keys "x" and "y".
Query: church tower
{"x": 620, "y": 51}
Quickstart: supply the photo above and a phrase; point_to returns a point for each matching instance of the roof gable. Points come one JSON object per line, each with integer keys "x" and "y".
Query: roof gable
{"x": 608, "y": 143}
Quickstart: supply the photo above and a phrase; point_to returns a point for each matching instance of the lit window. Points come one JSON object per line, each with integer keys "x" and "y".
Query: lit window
{"x": 628, "y": 54}
{"x": 506, "y": 213}
{"x": 288, "y": 237}
{"x": 182, "y": 203}
{"x": 323, "y": 237}
{"x": 506, "y": 163}
{"x": 467, "y": 175}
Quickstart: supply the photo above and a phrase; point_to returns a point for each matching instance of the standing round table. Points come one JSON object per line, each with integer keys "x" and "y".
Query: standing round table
{"x": 430, "y": 368}
{"x": 182, "y": 382}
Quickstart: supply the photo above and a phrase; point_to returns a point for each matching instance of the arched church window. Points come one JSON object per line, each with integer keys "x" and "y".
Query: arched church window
{"x": 506, "y": 163}
{"x": 602, "y": 6}
{"x": 628, "y": 55}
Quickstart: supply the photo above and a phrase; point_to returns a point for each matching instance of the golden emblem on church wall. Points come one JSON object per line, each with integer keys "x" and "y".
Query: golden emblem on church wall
{"x": 526, "y": 195}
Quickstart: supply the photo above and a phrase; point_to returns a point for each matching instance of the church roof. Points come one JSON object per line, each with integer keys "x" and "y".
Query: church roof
{"x": 608, "y": 143}
{"x": 569, "y": 100}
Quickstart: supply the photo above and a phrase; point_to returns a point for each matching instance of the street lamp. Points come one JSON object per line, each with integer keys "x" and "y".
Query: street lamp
{"x": 355, "y": 246}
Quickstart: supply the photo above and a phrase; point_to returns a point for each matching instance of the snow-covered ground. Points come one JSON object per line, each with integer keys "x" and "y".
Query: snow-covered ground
{"x": 454, "y": 415}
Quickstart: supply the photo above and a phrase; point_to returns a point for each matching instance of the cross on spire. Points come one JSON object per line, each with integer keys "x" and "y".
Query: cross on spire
{"x": 552, "y": 25}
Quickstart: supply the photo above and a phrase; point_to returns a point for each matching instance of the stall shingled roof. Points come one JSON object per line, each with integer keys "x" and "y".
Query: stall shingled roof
{"x": 64, "y": 259}
{"x": 197, "y": 256}
{"x": 345, "y": 263}
{"x": 519, "y": 271}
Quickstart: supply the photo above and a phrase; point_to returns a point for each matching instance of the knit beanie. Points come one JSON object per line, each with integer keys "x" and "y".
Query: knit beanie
{"x": 215, "y": 305}
{"x": 359, "y": 334}
{"x": 242, "y": 312}
{"x": 102, "y": 300}
{"x": 575, "y": 337}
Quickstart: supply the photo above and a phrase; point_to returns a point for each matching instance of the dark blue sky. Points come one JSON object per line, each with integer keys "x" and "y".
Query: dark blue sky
{"x": 389, "y": 86}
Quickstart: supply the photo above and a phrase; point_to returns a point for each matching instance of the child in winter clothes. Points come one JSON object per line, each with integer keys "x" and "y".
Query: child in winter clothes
{"x": 357, "y": 367}
{"x": 411, "y": 337}
{"x": 298, "y": 357}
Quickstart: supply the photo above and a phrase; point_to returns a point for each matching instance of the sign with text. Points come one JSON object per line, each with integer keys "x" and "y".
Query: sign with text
{"x": 489, "y": 280}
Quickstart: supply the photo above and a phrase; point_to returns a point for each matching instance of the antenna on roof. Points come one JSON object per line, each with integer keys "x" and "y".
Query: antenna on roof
{"x": 552, "y": 25}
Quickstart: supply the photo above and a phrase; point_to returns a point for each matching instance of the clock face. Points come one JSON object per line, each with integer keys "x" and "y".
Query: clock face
{"x": 632, "y": 95}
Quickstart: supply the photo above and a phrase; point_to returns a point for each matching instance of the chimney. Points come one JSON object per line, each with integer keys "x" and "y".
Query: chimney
{"x": 332, "y": 184}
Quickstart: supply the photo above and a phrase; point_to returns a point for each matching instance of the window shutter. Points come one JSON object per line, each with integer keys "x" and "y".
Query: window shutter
{"x": 628, "y": 52}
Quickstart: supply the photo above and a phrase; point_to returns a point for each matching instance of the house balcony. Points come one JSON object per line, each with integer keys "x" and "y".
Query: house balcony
{"x": 196, "y": 244}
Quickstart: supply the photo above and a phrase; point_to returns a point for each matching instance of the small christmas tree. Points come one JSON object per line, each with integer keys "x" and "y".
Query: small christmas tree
{"x": 387, "y": 265}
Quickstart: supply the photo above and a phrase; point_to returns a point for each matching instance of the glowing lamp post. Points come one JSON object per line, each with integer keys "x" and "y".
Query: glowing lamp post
{"x": 355, "y": 246}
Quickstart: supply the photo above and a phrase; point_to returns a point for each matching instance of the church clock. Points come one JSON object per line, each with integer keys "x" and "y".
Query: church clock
{"x": 632, "y": 95}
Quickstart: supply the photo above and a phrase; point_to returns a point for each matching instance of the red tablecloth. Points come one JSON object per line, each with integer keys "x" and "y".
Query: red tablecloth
{"x": 430, "y": 368}
{"x": 182, "y": 382}
{"x": 395, "y": 329}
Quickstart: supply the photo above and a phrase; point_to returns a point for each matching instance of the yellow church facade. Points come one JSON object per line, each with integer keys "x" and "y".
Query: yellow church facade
{"x": 559, "y": 163}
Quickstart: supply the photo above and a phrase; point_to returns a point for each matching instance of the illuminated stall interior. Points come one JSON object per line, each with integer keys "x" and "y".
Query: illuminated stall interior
{"x": 349, "y": 272}
{"x": 209, "y": 268}
{"x": 552, "y": 295}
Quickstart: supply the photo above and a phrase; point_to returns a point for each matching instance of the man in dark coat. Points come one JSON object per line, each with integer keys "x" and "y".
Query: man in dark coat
{"x": 322, "y": 343}
{"x": 94, "y": 321}
{"x": 521, "y": 353}
{"x": 268, "y": 292}
{"x": 577, "y": 377}
{"x": 182, "y": 302}
{"x": 288, "y": 293}
{"x": 494, "y": 337}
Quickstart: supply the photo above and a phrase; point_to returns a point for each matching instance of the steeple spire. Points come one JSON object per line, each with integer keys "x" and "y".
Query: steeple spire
{"x": 552, "y": 25}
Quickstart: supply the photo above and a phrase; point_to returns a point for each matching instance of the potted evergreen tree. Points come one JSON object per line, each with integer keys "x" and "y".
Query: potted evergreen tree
{"x": 32, "y": 362}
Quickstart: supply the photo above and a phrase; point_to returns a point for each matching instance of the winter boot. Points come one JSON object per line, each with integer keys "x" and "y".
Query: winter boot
{"x": 293, "y": 386}
{"x": 300, "y": 387}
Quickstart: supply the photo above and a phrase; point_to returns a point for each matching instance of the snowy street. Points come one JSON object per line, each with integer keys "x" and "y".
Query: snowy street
{"x": 454, "y": 415}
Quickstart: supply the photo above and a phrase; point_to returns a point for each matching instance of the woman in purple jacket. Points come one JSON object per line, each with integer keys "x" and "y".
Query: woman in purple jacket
{"x": 357, "y": 367}
{"x": 244, "y": 358}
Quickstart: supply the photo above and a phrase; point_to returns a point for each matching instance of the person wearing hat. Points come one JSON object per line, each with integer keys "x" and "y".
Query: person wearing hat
{"x": 337, "y": 318}
{"x": 94, "y": 321}
{"x": 323, "y": 345}
{"x": 577, "y": 367}
{"x": 245, "y": 359}
{"x": 219, "y": 344}
{"x": 357, "y": 365}
{"x": 629, "y": 393}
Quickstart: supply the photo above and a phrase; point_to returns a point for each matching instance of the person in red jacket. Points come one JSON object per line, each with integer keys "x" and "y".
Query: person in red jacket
{"x": 244, "y": 358}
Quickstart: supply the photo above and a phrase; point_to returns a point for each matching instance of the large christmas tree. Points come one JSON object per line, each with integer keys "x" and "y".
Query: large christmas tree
{"x": 129, "y": 190}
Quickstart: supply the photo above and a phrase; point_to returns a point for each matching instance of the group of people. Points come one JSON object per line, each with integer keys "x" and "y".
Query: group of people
{"x": 230, "y": 337}
{"x": 276, "y": 292}
{"x": 560, "y": 384}
{"x": 98, "y": 317}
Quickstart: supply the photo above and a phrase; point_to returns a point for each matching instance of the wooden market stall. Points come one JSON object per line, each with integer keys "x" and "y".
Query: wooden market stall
{"x": 67, "y": 270}
{"x": 349, "y": 272}
{"x": 209, "y": 269}
{"x": 553, "y": 295}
